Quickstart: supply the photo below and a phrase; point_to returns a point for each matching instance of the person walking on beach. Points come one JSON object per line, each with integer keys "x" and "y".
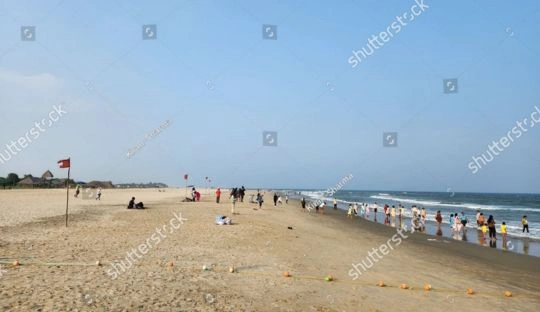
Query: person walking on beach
{"x": 78, "y": 190}
{"x": 438, "y": 217}
{"x": 484, "y": 230}
{"x": 481, "y": 220}
{"x": 503, "y": 232}
{"x": 233, "y": 203}
{"x": 218, "y": 195}
{"x": 275, "y": 199}
{"x": 464, "y": 221}
{"x": 335, "y": 203}
{"x": 350, "y": 211}
{"x": 525, "y": 224}
{"x": 98, "y": 197}
{"x": 491, "y": 227}
{"x": 260, "y": 200}
{"x": 242, "y": 193}
{"x": 287, "y": 199}
{"x": 303, "y": 202}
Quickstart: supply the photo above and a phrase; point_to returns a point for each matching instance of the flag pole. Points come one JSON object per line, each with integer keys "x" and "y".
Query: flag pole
{"x": 67, "y": 193}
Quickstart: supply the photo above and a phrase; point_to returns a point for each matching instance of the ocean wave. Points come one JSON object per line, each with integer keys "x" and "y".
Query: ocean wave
{"x": 456, "y": 205}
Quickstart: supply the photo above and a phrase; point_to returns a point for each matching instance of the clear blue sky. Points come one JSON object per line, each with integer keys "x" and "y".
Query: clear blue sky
{"x": 210, "y": 72}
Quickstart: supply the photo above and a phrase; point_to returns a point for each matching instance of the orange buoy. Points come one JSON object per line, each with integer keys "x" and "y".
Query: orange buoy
{"x": 16, "y": 263}
{"x": 470, "y": 291}
{"x": 427, "y": 287}
{"x": 508, "y": 293}
{"x": 404, "y": 286}
{"x": 381, "y": 284}
{"x": 286, "y": 274}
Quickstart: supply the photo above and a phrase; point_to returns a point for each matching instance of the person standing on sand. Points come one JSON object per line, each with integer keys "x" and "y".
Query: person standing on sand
{"x": 275, "y": 199}
{"x": 287, "y": 199}
{"x": 525, "y": 224}
{"x": 335, "y": 203}
{"x": 77, "y": 191}
{"x": 491, "y": 226}
{"x": 478, "y": 223}
{"x": 303, "y": 202}
{"x": 98, "y": 197}
{"x": 349, "y": 211}
{"x": 218, "y": 195}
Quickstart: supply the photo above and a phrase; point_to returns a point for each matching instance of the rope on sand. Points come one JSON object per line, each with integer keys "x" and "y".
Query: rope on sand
{"x": 329, "y": 278}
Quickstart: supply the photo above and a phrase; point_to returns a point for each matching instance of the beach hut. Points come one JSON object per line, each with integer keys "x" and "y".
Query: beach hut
{"x": 30, "y": 181}
{"x": 47, "y": 175}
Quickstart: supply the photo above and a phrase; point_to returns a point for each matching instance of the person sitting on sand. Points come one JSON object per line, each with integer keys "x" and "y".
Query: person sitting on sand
{"x": 131, "y": 203}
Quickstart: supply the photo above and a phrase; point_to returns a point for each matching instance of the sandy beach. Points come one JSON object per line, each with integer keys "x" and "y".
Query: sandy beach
{"x": 58, "y": 270}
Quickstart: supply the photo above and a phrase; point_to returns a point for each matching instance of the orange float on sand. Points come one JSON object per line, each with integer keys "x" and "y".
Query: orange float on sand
{"x": 286, "y": 274}
{"x": 508, "y": 293}
{"x": 470, "y": 291}
{"x": 427, "y": 287}
{"x": 404, "y": 286}
{"x": 381, "y": 284}
{"x": 16, "y": 263}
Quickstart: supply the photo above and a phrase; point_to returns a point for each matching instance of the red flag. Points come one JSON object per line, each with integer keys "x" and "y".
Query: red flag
{"x": 64, "y": 163}
{"x": 185, "y": 177}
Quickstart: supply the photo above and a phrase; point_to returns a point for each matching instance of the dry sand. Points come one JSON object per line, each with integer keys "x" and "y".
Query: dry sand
{"x": 58, "y": 271}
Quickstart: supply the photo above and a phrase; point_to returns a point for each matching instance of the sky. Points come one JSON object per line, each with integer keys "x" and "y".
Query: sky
{"x": 195, "y": 96}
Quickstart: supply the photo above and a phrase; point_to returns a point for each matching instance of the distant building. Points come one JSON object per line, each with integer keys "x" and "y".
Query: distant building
{"x": 102, "y": 184}
{"x": 31, "y": 182}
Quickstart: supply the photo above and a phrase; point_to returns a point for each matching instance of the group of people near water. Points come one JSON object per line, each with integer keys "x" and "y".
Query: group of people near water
{"x": 458, "y": 221}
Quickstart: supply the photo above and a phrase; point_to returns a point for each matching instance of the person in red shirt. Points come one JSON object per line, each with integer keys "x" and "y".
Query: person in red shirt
{"x": 218, "y": 195}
